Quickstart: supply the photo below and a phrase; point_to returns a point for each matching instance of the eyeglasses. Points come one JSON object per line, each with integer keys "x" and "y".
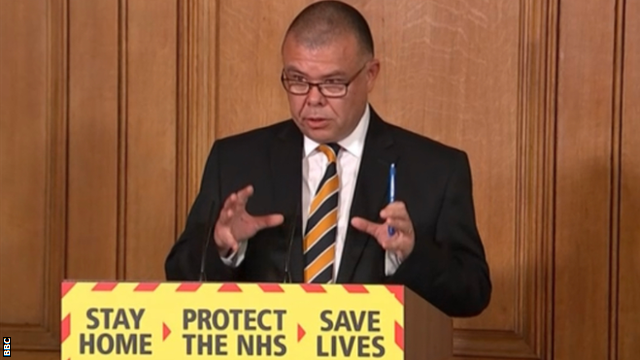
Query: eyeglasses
{"x": 327, "y": 89}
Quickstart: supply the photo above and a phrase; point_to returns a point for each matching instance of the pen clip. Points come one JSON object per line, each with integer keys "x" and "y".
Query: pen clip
{"x": 392, "y": 192}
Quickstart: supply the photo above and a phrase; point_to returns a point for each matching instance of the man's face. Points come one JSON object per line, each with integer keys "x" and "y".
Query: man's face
{"x": 322, "y": 118}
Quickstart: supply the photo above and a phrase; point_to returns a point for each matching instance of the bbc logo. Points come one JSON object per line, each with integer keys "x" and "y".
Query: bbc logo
{"x": 6, "y": 347}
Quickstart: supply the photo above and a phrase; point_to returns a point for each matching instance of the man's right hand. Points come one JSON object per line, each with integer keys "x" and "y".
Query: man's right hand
{"x": 235, "y": 225}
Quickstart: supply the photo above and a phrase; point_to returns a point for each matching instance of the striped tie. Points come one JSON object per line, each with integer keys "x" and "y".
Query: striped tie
{"x": 320, "y": 234}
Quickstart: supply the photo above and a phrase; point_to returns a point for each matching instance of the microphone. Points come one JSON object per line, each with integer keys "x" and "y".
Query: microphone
{"x": 210, "y": 226}
{"x": 292, "y": 231}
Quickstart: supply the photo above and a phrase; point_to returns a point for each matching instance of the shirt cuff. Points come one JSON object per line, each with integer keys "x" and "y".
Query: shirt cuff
{"x": 235, "y": 258}
{"x": 392, "y": 262}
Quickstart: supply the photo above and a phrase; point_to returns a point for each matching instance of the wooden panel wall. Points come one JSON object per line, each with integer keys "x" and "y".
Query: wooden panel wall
{"x": 88, "y": 153}
{"x": 33, "y": 187}
{"x": 109, "y": 107}
{"x": 122, "y": 137}
{"x": 595, "y": 275}
{"x": 627, "y": 286}
{"x": 584, "y": 187}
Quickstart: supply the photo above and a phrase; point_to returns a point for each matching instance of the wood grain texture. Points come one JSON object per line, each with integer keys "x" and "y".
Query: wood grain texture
{"x": 197, "y": 98}
{"x": 628, "y": 346}
{"x": 583, "y": 188}
{"x": 616, "y": 174}
{"x": 427, "y": 331}
{"x": 32, "y": 170}
{"x": 151, "y": 136}
{"x": 436, "y": 59}
{"x": 249, "y": 64}
{"x": 93, "y": 139}
{"x": 35, "y": 355}
{"x": 532, "y": 333}
{"x": 23, "y": 52}
{"x": 121, "y": 223}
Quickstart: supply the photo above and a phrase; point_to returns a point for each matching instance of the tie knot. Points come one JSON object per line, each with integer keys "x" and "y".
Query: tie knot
{"x": 330, "y": 150}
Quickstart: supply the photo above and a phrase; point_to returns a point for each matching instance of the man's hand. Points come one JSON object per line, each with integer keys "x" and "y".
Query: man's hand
{"x": 235, "y": 224}
{"x": 395, "y": 215}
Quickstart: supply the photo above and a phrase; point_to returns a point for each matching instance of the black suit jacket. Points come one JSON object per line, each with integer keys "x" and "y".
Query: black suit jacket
{"x": 447, "y": 266}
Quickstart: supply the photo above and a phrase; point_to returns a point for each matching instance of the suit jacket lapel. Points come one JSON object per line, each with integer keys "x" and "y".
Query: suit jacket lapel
{"x": 370, "y": 192}
{"x": 286, "y": 168}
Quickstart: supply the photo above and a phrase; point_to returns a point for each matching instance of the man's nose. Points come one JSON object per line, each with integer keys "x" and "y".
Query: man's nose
{"x": 315, "y": 97}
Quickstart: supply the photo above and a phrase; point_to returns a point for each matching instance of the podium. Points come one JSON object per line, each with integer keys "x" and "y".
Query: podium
{"x": 195, "y": 320}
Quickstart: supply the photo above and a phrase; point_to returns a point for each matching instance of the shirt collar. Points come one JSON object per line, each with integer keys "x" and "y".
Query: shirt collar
{"x": 354, "y": 143}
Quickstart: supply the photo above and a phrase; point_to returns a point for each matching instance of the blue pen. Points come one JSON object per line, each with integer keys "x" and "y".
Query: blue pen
{"x": 392, "y": 191}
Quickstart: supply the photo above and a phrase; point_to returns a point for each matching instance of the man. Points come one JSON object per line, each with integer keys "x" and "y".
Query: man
{"x": 307, "y": 199}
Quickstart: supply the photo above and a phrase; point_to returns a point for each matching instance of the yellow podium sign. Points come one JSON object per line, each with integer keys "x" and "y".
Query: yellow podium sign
{"x": 192, "y": 320}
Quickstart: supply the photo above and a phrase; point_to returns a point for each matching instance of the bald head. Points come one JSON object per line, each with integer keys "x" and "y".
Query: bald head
{"x": 321, "y": 23}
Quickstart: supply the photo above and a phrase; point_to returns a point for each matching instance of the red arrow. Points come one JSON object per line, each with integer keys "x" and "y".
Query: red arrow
{"x": 165, "y": 331}
{"x": 301, "y": 332}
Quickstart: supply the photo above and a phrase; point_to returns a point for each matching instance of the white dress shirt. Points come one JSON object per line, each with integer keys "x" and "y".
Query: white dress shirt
{"x": 314, "y": 164}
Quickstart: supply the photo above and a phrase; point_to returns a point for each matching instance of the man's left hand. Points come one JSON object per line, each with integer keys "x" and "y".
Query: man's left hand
{"x": 394, "y": 215}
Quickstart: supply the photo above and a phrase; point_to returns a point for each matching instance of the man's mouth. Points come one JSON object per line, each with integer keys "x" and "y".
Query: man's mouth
{"x": 316, "y": 122}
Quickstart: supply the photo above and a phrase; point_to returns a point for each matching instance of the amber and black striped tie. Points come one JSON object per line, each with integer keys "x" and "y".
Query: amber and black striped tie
{"x": 320, "y": 233}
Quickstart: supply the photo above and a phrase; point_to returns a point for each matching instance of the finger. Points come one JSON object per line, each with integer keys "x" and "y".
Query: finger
{"x": 394, "y": 210}
{"x": 229, "y": 243}
{"x": 225, "y": 215}
{"x": 389, "y": 244}
{"x": 366, "y": 226}
{"x": 400, "y": 224}
{"x": 244, "y": 195}
{"x": 230, "y": 202}
{"x": 268, "y": 221}
{"x": 394, "y": 242}
{"x": 223, "y": 238}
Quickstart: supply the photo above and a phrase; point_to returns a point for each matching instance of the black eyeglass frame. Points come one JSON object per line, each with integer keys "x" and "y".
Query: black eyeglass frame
{"x": 320, "y": 85}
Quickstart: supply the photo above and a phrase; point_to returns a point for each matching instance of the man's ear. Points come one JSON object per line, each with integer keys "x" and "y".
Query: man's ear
{"x": 372, "y": 73}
